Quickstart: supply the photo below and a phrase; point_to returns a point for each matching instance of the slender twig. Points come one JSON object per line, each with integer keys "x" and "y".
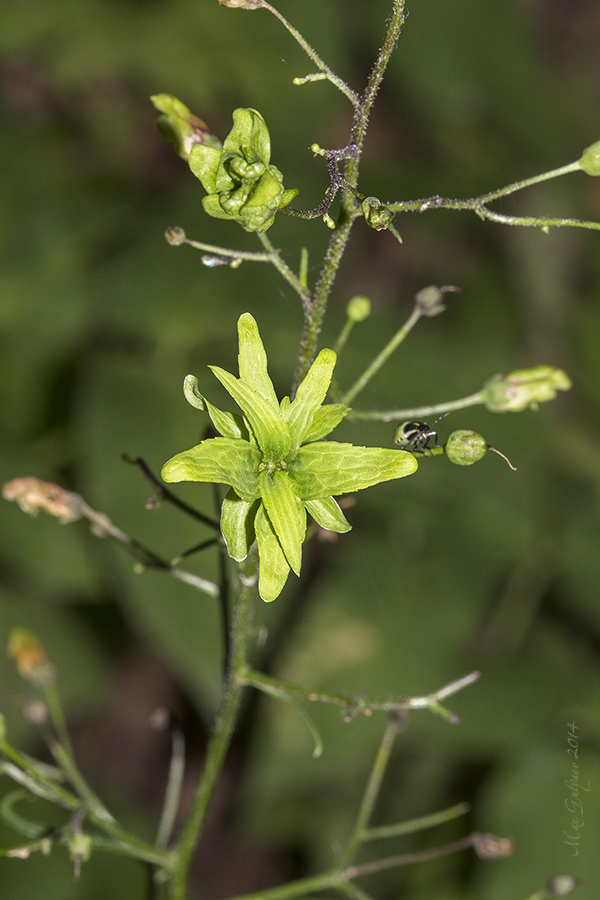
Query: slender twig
{"x": 382, "y": 357}
{"x": 314, "y": 56}
{"x": 166, "y": 494}
{"x": 373, "y": 787}
{"x": 413, "y": 825}
{"x": 316, "y": 883}
{"x": 173, "y": 790}
{"x": 416, "y": 412}
{"x": 284, "y": 270}
{"x": 354, "y": 704}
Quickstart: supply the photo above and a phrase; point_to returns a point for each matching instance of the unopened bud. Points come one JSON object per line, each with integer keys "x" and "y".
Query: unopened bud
{"x": 524, "y": 388}
{"x": 30, "y": 658}
{"x": 358, "y": 309}
{"x": 376, "y": 214}
{"x": 175, "y": 236}
{"x": 489, "y": 846}
{"x": 589, "y": 162}
{"x": 429, "y": 300}
{"x": 561, "y": 885}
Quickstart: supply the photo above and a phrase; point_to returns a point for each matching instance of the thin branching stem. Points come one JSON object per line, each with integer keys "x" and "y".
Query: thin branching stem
{"x": 339, "y": 239}
{"x": 314, "y": 56}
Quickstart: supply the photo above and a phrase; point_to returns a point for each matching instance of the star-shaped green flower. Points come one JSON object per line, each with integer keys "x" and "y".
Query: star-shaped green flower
{"x": 275, "y": 462}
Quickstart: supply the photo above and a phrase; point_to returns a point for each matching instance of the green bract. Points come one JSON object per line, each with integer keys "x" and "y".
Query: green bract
{"x": 240, "y": 183}
{"x": 275, "y": 463}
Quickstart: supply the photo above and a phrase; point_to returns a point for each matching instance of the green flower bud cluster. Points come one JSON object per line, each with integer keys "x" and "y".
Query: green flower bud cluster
{"x": 524, "y": 388}
{"x": 237, "y": 175}
{"x": 276, "y": 463}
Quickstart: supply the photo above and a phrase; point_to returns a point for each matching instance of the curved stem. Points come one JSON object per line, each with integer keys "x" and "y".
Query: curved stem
{"x": 273, "y": 256}
{"x": 314, "y": 56}
{"x": 415, "y": 412}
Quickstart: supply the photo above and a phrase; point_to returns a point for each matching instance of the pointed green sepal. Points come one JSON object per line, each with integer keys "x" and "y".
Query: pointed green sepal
{"x": 309, "y": 397}
{"x": 192, "y": 393}
{"x": 237, "y": 524}
{"x": 252, "y": 360}
{"x": 325, "y": 420}
{"x": 328, "y": 468}
{"x": 218, "y": 461}
{"x": 271, "y": 432}
{"x": 286, "y": 514}
{"x": 273, "y": 568}
{"x": 327, "y": 514}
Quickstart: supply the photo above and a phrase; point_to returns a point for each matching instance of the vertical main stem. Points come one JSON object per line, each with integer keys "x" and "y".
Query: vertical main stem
{"x": 221, "y": 734}
{"x": 339, "y": 240}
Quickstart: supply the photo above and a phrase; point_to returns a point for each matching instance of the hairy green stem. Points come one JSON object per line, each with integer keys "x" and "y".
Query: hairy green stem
{"x": 416, "y": 412}
{"x": 284, "y": 270}
{"x": 382, "y": 357}
{"x": 314, "y": 56}
{"x": 347, "y": 217}
{"x": 222, "y": 731}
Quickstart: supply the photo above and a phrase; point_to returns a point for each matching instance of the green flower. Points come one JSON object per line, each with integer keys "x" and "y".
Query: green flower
{"x": 275, "y": 462}
{"x": 240, "y": 183}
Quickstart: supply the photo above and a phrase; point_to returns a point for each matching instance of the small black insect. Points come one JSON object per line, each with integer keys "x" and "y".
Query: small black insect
{"x": 414, "y": 436}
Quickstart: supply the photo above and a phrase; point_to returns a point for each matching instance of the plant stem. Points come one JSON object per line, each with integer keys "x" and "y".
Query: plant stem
{"x": 347, "y": 217}
{"x": 373, "y": 787}
{"x": 314, "y": 56}
{"x": 284, "y": 270}
{"x": 382, "y": 357}
{"x": 221, "y": 734}
{"x": 416, "y": 412}
{"x": 413, "y": 825}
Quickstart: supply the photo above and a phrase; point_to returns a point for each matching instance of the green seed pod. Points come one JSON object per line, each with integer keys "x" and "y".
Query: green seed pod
{"x": 589, "y": 161}
{"x": 465, "y": 447}
{"x": 358, "y": 309}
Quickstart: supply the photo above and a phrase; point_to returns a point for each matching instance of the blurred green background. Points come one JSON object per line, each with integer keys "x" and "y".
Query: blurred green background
{"x": 451, "y": 570}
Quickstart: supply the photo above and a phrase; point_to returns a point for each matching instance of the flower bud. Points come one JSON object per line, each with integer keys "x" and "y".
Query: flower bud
{"x": 561, "y": 885}
{"x": 489, "y": 846}
{"x": 524, "y": 388}
{"x": 464, "y": 448}
{"x": 30, "y": 658}
{"x": 175, "y": 236}
{"x": 376, "y": 215}
{"x": 358, "y": 309}
{"x": 429, "y": 300}
{"x": 80, "y": 850}
{"x": 180, "y": 126}
{"x": 589, "y": 161}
